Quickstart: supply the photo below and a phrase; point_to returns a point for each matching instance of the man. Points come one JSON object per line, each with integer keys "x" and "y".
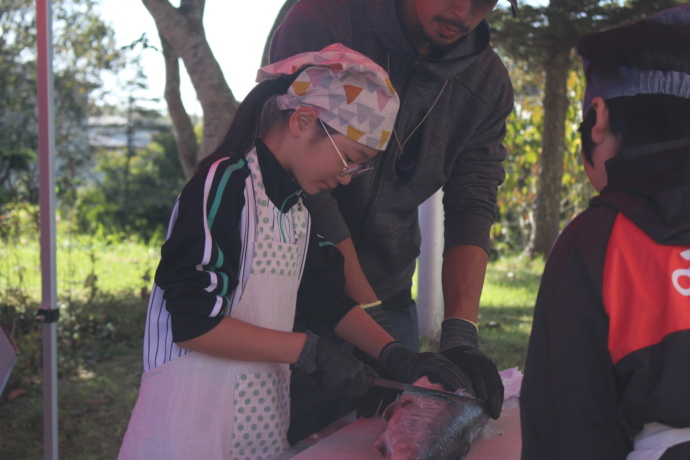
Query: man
{"x": 607, "y": 372}
{"x": 455, "y": 97}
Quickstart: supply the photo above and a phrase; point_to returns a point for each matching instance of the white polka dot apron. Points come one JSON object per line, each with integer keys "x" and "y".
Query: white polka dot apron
{"x": 232, "y": 410}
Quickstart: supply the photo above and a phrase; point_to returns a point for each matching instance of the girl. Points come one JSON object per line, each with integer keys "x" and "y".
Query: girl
{"x": 218, "y": 343}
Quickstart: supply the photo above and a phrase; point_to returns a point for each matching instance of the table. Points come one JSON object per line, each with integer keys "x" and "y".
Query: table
{"x": 500, "y": 440}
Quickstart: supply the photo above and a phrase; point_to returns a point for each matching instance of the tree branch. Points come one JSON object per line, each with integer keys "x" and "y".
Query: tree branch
{"x": 187, "y": 146}
{"x": 183, "y": 29}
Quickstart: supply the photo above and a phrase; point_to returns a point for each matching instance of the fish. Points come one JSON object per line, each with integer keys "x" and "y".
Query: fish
{"x": 423, "y": 426}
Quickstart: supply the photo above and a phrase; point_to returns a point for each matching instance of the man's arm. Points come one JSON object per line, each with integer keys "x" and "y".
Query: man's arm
{"x": 464, "y": 268}
{"x": 360, "y": 330}
{"x": 356, "y": 285}
{"x": 462, "y": 277}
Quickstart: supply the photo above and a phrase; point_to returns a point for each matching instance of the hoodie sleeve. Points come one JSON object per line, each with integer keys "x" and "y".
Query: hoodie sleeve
{"x": 307, "y": 27}
{"x": 470, "y": 193}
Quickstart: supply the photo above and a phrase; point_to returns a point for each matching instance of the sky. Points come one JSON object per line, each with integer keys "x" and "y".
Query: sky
{"x": 235, "y": 29}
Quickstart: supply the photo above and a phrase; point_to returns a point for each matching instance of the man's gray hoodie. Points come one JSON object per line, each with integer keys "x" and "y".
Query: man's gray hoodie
{"x": 460, "y": 100}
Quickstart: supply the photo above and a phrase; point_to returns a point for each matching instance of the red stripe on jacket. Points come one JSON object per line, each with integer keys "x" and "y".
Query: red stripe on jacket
{"x": 646, "y": 289}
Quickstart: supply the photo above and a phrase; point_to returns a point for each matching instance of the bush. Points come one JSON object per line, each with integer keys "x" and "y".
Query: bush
{"x": 86, "y": 334}
{"x": 102, "y": 284}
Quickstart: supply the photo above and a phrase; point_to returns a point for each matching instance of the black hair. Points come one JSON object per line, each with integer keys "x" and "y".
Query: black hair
{"x": 244, "y": 128}
{"x": 643, "y": 118}
{"x": 248, "y": 121}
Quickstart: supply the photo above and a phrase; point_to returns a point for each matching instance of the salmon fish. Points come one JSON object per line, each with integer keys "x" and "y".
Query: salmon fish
{"x": 424, "y": 426}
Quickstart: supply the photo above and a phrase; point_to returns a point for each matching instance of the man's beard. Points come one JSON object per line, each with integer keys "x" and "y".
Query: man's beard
{"x": 438, "y": 43}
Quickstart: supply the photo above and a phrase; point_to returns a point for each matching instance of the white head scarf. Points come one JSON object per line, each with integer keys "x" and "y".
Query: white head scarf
{"x": 351, "y": 93}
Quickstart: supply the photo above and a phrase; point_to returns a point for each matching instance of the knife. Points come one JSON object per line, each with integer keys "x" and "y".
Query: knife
{"x": 379, "y": 382}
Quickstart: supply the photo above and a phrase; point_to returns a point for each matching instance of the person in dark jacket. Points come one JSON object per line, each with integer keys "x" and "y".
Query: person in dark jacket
{"x": 455, "y": 97}
{"x": 607, "y": 374}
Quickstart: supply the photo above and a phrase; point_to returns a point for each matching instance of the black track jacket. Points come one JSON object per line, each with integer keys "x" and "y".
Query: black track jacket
{"x": 610, "y": 343}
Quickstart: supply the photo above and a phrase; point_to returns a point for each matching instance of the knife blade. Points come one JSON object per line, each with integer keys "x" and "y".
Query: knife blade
{"x": 379, "y": 382}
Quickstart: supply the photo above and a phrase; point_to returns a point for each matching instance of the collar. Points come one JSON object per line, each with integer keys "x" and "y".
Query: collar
{"x": 650, "y": 168}
{"x": 656, "y": 147}
{"x": 638, "y": 155}
{"x": 281, "y": 189}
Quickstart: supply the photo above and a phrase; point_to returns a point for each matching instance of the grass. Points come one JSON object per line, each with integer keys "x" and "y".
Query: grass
{"x": 106, "y": 283}
{"x": 505, "y": 318}
{"x": 84, "y": 263}
{"x": 93, "y": 412}
{"x": 103, "y": 285}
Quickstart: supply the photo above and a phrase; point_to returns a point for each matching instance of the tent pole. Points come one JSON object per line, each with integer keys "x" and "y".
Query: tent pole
{"x": 46, "y": 151}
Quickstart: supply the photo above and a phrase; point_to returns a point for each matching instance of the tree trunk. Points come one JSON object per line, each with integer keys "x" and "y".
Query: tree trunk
{"x": 183, "y": 129}
{"x": 182, "y": 28}
{"x": 547, "y": 213}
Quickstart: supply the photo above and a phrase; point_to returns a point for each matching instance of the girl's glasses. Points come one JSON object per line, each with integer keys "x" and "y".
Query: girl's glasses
{"x": 347, "y": 170}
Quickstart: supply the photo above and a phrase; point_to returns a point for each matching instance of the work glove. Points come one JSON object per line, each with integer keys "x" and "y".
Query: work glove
{"x": 459, "y": 345}
{"x": 377, "y": 398}
{"x": 401, "y": 364}
{"x": 336, "y": 372}
{"x": 408, "y": 366}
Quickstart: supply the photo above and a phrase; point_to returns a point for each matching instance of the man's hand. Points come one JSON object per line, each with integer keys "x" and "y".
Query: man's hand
{"x": 459, "y": 345}
{"x": 401, "y": 364}
{"x": 408, "y": 366}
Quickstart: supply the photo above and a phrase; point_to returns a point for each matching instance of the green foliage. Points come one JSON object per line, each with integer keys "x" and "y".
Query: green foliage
{"x": 134, "y": 192}
{"x": 517, "y": 196}
{"x": 507, "y": 304}
{"x": 83, "y": 48}
{"x": 94, "y": 405}
{"x": 102, "y": 284}
{"x": 577, "y": 190}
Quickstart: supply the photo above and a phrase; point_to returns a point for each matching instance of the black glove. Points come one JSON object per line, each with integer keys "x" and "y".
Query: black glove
{"x": 376, "y": 399}
{"x": 336, "y": 372}
{"x": 407, "y": 366}
{"x": 459, "y": 344}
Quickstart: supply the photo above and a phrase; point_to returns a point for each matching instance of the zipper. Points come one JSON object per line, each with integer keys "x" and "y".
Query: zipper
{"x": 386, "y": 154}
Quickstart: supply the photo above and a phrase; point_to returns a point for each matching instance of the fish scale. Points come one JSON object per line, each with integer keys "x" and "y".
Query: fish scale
{"x": 424, "y": 426}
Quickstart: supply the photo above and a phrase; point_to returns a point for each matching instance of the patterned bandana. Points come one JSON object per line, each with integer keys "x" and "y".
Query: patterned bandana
{"x": 351, "y": 93}
{"x": 630, "y": 81}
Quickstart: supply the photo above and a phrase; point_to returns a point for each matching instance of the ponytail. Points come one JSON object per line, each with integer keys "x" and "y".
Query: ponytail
{"x": 241, "y": 135}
